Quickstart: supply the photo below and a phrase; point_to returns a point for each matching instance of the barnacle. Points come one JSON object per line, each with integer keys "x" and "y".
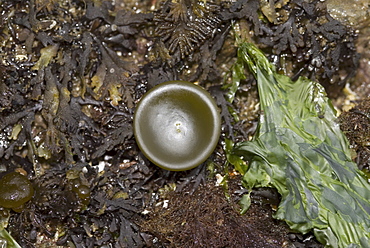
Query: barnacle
{"x": 184, "y": 25}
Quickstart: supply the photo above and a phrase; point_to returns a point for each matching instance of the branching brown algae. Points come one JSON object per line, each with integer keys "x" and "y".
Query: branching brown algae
{"x": 71, "y": 75}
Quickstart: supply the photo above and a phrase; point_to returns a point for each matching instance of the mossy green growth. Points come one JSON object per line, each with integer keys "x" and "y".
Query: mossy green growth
{"x": 15, "y": 190}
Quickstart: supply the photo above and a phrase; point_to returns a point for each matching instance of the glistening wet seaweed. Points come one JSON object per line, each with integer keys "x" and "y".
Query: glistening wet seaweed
{"x": 72, "y": 71}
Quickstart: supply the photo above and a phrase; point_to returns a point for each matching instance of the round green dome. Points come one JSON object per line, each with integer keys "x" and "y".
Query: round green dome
{"x": 15, "y": 190}
{"x": 177, "y": 125}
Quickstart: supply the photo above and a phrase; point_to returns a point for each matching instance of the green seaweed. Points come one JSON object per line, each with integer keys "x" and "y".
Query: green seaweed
{"x": 300, "y": 150}
{"x": 6, "y": 240}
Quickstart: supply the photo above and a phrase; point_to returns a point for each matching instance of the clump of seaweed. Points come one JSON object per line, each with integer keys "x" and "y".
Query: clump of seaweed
{"x": 302, "y": 39}
{"x": 212, "y": 221}
{"x": 355, "y": 124}
{"x": 184, "y": 25}
{"x": 67, "y": 92}
{"x": 71, "y": 73}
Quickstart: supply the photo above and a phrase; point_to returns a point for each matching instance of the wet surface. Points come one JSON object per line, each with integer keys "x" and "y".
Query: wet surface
{"x": 72, "y": 73}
